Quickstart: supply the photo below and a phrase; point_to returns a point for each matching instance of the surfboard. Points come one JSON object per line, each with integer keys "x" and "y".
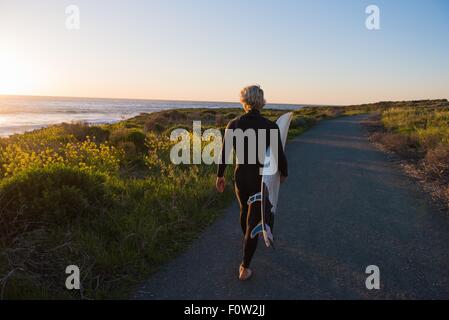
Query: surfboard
{"x": 270, "y": 185}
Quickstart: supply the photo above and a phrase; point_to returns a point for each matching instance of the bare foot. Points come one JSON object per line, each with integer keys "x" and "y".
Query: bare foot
{"x": 245, "y": 273}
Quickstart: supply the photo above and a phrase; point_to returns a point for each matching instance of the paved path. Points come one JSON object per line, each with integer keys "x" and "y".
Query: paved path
{"x": 344, "y": 207}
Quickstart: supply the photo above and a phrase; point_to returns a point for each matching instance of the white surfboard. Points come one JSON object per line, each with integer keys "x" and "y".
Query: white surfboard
{"x": 270, "y": 184}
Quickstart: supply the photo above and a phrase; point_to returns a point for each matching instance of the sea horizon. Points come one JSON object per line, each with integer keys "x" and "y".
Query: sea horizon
{"x": 23, "y": 113}
{"x": 4, "y": 95}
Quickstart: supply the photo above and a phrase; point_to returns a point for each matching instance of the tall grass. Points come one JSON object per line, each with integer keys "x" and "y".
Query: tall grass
{"x": 420, "y": 133}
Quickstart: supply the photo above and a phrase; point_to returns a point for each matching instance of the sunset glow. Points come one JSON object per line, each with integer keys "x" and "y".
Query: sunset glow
{"x": 311, "y": 52}
{"x": 15, "y": 75}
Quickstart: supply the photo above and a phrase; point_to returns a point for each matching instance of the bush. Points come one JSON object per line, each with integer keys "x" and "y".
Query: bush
{"x": 55, "y": 195}
{"x": 159, "y": 121}
{"x": 86, "y": 155}
{"x": 436, "y": 162}
{"x": 404, "y": 146}
{"x": 432, "y": 136}
{"x": 81, "y": 131}
{"x": 133, "y": 136}
{"x": 138, "y": 139}
{"x": 209, "y": 111}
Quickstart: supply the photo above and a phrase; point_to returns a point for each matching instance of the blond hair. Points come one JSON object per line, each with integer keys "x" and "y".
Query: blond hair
{"x": 251, "y": 97}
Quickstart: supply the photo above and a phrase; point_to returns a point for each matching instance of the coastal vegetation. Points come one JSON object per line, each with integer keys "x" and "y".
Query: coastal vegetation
{"x": 108, "y": 199}
{"x": 419, "y": 135}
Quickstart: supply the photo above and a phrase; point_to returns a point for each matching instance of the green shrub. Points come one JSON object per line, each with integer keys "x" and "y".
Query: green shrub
{"x": 82, "y": 130}
{"x": 131, "y": 140}
{"x": 138, "y": 139}
{"x": 55, "y": 194}
{"x": 86, "y": 155}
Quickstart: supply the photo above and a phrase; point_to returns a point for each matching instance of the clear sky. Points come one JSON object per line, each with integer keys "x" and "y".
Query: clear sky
{"x": 315, "y": 52}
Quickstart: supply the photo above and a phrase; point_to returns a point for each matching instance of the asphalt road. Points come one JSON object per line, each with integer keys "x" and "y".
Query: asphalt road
{"x": 343, "y": 208}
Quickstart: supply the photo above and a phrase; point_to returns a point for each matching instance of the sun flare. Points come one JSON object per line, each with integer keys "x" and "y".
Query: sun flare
{"x": 15, "y": 76}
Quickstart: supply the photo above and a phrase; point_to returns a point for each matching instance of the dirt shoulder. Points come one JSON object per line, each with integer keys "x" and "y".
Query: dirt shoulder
{"x": 424, "y": 168}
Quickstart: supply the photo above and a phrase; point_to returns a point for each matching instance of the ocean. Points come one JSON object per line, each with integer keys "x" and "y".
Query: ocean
{"x": 20, "y": 114}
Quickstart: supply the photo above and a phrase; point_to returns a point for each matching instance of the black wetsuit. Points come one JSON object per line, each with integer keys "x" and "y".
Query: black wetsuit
{"x": 248, "y": 178}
